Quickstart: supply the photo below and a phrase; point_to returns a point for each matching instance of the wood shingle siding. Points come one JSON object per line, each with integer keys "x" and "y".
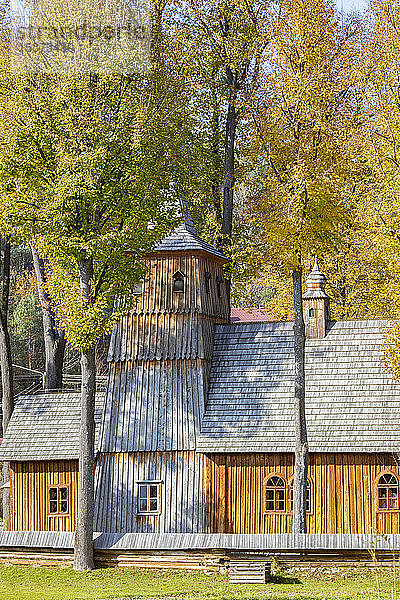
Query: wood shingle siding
{"x": 182, "y": 492}
{"x": 352, "y": 403}
{"x": 343, "y": 493}
{"x": 159, "y": 337}
{"x": 30, "y": 482}
{"x": 161, "y": 353}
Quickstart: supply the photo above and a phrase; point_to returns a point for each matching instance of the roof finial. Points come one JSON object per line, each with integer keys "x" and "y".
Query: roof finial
{"x": 187, "y": 216}
{"x": 316, "y": 265}
{"x": 316, "y": 282}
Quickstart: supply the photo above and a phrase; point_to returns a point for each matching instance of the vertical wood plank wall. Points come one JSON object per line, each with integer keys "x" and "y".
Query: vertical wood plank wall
{"x": 343, "y": 493}
{"x": 158, "y": 295}
{"x": 154, "y": 405}
{"x": 182, "y": 477}
{"x": 29, "y": 483}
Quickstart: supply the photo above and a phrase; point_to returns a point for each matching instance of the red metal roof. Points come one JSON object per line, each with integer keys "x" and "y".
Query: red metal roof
{"x": 250, "y": 315}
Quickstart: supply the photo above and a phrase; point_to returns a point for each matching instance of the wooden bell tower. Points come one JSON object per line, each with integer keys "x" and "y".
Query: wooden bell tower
{"x": 160, "y": 357}
{"x": 316, "y": 304}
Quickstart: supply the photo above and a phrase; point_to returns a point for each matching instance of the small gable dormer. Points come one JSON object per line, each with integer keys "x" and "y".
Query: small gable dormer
{"x": 316, "y": 304}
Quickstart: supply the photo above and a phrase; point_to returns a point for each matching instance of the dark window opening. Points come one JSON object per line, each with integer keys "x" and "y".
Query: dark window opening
{"x": 275, "y": 495}
{"x": 137, "y": 288}
{"x": 58, "y": 500}
{"x": 179, "y": 284}
{"x": 311, "y": 312}
{"x": 220, "y": 281}
{"x": 148, "y": 498}
{"x": 388, "y": 492}
{"x": 208, "y": 281}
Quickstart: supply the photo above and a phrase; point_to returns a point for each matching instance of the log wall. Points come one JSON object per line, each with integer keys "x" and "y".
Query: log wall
{"x": 343, "y": 493}
{"x": 201, "y": 560}
{"x": 29, "y": 483}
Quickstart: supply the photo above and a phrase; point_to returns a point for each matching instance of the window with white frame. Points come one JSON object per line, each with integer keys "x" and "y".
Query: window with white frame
{"x": 148, "y": 497}
{"x": 388, "y": 492}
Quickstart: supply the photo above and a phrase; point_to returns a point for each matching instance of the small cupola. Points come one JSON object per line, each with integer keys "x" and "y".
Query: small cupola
{"x": 316, "y": 304}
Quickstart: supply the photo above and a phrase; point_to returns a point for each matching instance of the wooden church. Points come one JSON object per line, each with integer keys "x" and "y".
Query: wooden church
{"x": 195, "y": 430}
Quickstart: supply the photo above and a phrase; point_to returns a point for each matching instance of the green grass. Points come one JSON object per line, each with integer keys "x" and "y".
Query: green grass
{"x": 44, "y": 583}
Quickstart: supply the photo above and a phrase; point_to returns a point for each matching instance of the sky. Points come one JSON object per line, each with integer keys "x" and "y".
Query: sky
{"x": 349, "y": 5}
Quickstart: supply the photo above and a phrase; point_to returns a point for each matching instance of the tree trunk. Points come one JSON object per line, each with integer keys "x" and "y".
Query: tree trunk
{"x": 229, "y": 172}
{"x": 83, "y": 558}
{"x": 6, "y": 374}
{"x": 301, "y": 444}
{"x": 8, "y": 407}
{"x": 7, "y": 380}
{"x": 216, "y": 154}
{"x": 54, "y": 337}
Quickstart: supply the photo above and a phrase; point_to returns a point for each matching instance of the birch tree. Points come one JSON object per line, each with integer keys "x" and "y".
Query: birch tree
{"x": 378, "y": 148}
{"x": 300, "y": 123}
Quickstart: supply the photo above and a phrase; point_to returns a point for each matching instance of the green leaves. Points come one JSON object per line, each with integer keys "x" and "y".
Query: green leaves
{"x": 88, "y": 170}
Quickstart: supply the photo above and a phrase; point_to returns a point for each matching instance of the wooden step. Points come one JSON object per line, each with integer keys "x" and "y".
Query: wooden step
{"x": 249, "y": 571}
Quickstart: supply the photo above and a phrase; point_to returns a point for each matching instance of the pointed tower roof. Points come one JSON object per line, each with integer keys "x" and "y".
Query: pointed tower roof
{"x": 185, "y": 237}
{"x": 316, "y": 283}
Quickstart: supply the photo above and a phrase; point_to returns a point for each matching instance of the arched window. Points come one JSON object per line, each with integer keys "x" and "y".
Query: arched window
{"x": 388, "y": 492}
{"x": 308, "y": 497}
{"x": 179, "y": 284}
{"x": 311, "y": 312}
{"x": 275, "y": 494}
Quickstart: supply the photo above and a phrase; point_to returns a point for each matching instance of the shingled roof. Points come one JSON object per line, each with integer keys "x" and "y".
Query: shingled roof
{"x": 353, "y": 404}
{"x": 186, "y": 238}
{"x": 46, "y": 427}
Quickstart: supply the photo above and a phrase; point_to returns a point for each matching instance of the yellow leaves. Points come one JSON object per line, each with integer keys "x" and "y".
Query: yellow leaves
{"x": 299, "y": 120}
{"x": 84, "y": 324}
{"x": 24, "y": 283}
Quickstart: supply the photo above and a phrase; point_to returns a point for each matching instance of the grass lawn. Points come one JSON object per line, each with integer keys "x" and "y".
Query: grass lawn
{"x": 44, "y": 583}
